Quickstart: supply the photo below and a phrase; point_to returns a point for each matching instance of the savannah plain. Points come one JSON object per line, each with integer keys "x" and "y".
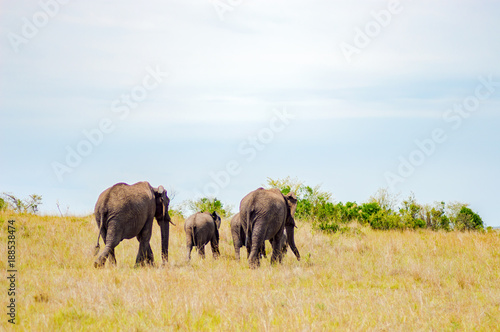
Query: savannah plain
{"x": 359, "y": 280}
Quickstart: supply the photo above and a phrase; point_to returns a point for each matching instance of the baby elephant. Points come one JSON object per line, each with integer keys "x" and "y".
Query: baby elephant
{"x": 239, "y": 237}
{"x": 200, "y": 229}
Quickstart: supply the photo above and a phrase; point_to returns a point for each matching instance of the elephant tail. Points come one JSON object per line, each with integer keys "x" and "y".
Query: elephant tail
{"x": 193, "y": 236}
{"x": 97, "y": 247}
{"x": 249, "y": 224}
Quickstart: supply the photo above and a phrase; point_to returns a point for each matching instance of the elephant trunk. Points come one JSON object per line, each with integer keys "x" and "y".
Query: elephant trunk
{"x": 165, "y": 231}
{"x": 291, "y": 240}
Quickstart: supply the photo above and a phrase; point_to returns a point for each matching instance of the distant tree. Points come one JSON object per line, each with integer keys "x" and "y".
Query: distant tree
{"x": 453, "y": 208}
{"x": 286, "y": 185}
{"x": 386, "y": 200}
{"x": 435, "y": 216}
{"x": 312, "y": 202}
{"x": 468, "y": 220}
{"x": 208, "y": 205}
{"x": 15, "y": 203}
{"x": 29, "y": 205}
{"x": 410, "y": 213}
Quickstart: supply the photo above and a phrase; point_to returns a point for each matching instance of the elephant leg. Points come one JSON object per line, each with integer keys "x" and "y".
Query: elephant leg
{"x": 150, "y": 259}
{"x": 111, "y": 240}
{"x": 237, "y": 242}
{"x": 189, "y": 244}
{"x": 112, "y": 258}
{"x": 284, "y": 249}
{"x": 101, "y": 260}
{"x": 277, "y": 244}
{"x": 215, "y": 248}
{"x": 263, "y": 250}
{"x": 141, "y": 258}
{"x": 248, "y": 244}
{"x": 237, "y": 251}
{"x": 201, "y": 251}
{"x": 145, "y": 254}
{"x": 254, "y": 257}
{"x": 189, "y": 247}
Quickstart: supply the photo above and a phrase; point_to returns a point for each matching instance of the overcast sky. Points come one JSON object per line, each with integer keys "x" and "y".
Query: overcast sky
{"x": 213, "y": 97}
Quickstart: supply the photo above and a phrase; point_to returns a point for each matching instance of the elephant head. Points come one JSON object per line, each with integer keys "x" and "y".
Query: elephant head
{"x": 163, "y": 218}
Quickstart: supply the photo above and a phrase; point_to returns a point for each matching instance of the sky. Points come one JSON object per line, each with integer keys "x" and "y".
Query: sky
{"x": 212, "y": 98}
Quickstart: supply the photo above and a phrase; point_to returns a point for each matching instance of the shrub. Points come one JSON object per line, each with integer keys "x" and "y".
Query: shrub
{"x": 326, "y": 225}
{"x": 312, "y": 202}
{"x": 208, "y": 205}
{"x": 368, "y": 210}
{"x": 468, "y": 220}
{"x": 385, "y": 220}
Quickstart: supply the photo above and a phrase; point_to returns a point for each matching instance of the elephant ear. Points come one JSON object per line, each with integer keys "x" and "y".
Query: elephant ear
{"x": 217, "y": 222}
{"x": 216, "y": 218}
{"x": 291, "y": 201}
{"x": 160, "y": 199}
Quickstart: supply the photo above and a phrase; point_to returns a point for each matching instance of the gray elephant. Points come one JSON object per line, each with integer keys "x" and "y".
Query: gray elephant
{"x": 238, "y": 233}
{"x": 126, "y": 211}
{"x": 265, "y": 214}
{"x": 200, "y": 229}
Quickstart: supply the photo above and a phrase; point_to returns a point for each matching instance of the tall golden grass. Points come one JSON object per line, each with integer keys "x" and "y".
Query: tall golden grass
{"x": 364, "y": 280}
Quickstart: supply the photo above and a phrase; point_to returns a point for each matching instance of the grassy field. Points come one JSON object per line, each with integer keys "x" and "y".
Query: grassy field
{"x": 367, "y": 280}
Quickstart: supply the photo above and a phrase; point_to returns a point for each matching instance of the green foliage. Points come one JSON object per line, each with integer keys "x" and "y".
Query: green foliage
{"x": 175, "y": 213}
{"x": 3, "y": 204}
{"x": 208, "y": 205}
{"x": 383, "y": 219}
{"x": 311, "y": 201}
{"x": 468, "y": 220}
{"x": 380, "y": 212}
{"x": 368, "y": 210}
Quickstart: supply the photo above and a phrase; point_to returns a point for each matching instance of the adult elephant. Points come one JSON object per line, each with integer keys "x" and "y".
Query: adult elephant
{"x": 200, "y": 229}
{"x": 265, "y": 214}
{"x": 125, "y": 211}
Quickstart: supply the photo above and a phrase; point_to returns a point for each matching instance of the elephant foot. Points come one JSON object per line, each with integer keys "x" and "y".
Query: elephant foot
{"x": 254, "y": 264}
{"x": 98, "y": 265}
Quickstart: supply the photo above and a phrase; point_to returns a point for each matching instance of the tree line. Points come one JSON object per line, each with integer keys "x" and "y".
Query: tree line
{"x": 382, "y": 211}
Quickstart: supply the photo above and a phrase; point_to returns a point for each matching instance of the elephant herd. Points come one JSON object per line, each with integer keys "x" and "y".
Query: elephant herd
{"x": 125, "y": 211}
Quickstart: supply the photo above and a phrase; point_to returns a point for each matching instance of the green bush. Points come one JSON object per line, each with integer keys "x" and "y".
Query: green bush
{"x": 385, "y": 220}
{"x": 380, "y": 212}
{"x": 368, "y": 210}
{"x": 326, "y": 225}
{"x": 208, "y": 205}
{"x": 468, "y": 220}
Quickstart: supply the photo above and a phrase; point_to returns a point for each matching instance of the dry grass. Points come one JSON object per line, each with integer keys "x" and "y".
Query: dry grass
{"x": 364, "y": 281}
